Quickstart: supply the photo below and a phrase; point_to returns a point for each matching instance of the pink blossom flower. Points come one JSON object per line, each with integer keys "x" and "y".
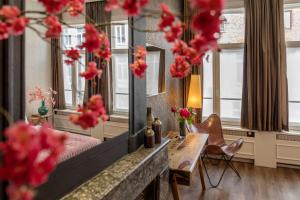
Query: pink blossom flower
{"x": 91, "y": 72}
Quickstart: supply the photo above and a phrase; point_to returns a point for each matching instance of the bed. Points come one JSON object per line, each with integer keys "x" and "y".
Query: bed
{"x": 76, "y": 144}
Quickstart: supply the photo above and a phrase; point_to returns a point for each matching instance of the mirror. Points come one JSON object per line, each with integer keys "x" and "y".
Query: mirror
{"x": 156, "y": 70}
{"x": 45, "y": 68}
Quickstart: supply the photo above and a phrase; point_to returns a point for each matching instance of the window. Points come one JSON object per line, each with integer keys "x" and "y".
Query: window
{"x": 292, "y": 37}
{"x": 223, "y": 71}
{"x": 153, "y": 75}
{"x": 74, "y": 85}
{"x": 120, "y": 75}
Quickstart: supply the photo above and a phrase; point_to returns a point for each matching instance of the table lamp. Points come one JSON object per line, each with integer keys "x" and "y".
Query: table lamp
{"x": 195, "y": 95}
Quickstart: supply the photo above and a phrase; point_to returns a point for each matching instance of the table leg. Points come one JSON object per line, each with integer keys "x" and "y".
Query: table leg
{"x": 174, "y": 187}
{"x": 200, "y": 168}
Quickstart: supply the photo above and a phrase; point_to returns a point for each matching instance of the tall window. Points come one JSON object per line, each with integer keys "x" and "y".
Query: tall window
{"x": 292, "y": 37}
{"x": 223, "y": 71}
{"x": 74, "y": 85}
{"x": 120, "y": 76}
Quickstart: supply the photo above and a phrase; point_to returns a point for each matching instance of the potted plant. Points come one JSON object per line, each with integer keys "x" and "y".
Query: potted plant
{"x": 46, "y": 98}
{"x": 183, "y": 115}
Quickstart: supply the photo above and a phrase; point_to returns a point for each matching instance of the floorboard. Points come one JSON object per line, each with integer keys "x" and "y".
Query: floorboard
{"x": 257, "y": 183}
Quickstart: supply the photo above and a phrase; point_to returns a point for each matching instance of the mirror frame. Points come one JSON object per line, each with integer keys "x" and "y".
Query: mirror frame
{"x": 12, "y": 99}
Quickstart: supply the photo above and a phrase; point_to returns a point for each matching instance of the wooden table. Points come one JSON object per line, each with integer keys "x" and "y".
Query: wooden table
{"x": 184, "y": 156}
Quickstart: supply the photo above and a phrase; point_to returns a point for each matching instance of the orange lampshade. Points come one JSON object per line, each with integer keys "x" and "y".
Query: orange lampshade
{"x": 195, "y": 94}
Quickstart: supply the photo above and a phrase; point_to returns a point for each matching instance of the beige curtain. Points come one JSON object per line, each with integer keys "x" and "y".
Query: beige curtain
{"x": 57, "y": 74}
{"x": 264, "y": 102}
{"x": 95, "y": 13}
{"x": 187, "y": 36}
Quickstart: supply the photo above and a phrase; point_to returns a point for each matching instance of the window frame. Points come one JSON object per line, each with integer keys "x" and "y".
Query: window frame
{"x": 162, "y": 77}
{"x": 121, "y": 49}
{"x": 293, "y": 44}
{"x": 74, "y": 69}
{"x": 216, "y": 83}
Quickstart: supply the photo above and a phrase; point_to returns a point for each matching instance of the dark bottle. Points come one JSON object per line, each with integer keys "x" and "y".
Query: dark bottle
{"x": 157, "y": 126}
{"x": 150, "y": 117}
{"x": 149, "y": 138}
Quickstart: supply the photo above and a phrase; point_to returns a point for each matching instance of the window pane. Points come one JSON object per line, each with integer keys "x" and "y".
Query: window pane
{"x": 230, "y": 109}
{"x": 231, "y": 82}
{"x": 120, "y": 81}
{"x": 294, "y": 112}
{"x": 80, "y": 81}
{"x": 207, "y": 85}
{"x": 152, "y": 78}
{"x": 291, "y": 19}
{"x": 121, "y": 102}
{"x": 68, "y": 97}
{"x": 207, "y": 107}
{"x": 233, "y": 27}
{"x": 293, "y": 71}
{"x": 120, "y": 35}
{"x": 67, "y": 75}
{"x": 72, "y": 37}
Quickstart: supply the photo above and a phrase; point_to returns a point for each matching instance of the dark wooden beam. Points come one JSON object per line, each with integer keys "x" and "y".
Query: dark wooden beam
{"x": 137, "y": 90}
{"x": 12, "y": 96}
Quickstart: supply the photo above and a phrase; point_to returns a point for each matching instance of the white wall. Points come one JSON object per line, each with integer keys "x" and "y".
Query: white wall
{"x": 37, "y": 61}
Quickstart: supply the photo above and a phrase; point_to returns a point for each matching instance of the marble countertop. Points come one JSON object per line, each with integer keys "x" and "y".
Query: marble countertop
{"x": 102, "y": 184}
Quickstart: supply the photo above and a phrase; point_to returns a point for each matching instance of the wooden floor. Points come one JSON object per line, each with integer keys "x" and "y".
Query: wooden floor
{"x": 257, "y": 183}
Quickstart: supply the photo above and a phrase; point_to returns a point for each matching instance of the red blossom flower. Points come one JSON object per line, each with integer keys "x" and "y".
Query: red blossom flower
{"x": 18, "y": 25}
{"x": 54, "y": 6}
{"x": 133, "y": 7}
{"x": 73, "y": 55}
{"x": 111, "y": 4}
{"x": 92, "y": 42}
{"x": 76, "y": 7}
{"x": 215, "y": 5}
{"x": 185, "y": 113}
{"x": 10, "y": 12}
{"x": 206, "y": 23}
{"x": 174, "y": 33}
{"x": 202, "y": 44}
{"x": 181, "y": 68}
{"x": 167, "y": 17}
{"x": 139, "y": 66}
{"x": 90, "y": 113}
{"x": 91, "y": 72}
{"x": 86, "y": 119}
{"x": 173, "y": 109}
{"x": 179, "y": 47}
{"x": 19, "y": 192}
{"x": 54, "y": 27}
{"x": 3, "y": 31}
{"x": 140, "y": 52}
{"x": 25, "y": 157}
{"x": 104, "y": 51}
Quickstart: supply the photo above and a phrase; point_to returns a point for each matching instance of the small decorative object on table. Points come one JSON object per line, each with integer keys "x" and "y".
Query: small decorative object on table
{"x": 149, "y": 138}
{"x": 156, "y": 127}
{"x": 46, "y": 98}
{"x": 184, "y": 115}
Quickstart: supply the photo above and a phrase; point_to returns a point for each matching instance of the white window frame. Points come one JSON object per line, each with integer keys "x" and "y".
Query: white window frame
{"x": 118, "y": 49}
{"x": 74, "y": 72}
{"x": 288, "y": 5}
{"x": 293, "y": 44}
{"x": 216, "y": 83}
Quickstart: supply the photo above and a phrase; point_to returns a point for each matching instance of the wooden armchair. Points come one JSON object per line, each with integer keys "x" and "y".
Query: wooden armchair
{"x": 216, "y": 145}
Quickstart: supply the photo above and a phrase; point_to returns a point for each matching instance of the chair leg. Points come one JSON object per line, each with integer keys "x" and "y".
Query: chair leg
{"x": 227, "y": 164}
{"x": 234, "y": 169}
{"x": 225, "y": 168}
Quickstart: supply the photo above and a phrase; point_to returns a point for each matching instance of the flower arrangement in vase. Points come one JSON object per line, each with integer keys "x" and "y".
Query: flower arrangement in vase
{"x": 46, "y": 98}
{"x": 183, "y": 115}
